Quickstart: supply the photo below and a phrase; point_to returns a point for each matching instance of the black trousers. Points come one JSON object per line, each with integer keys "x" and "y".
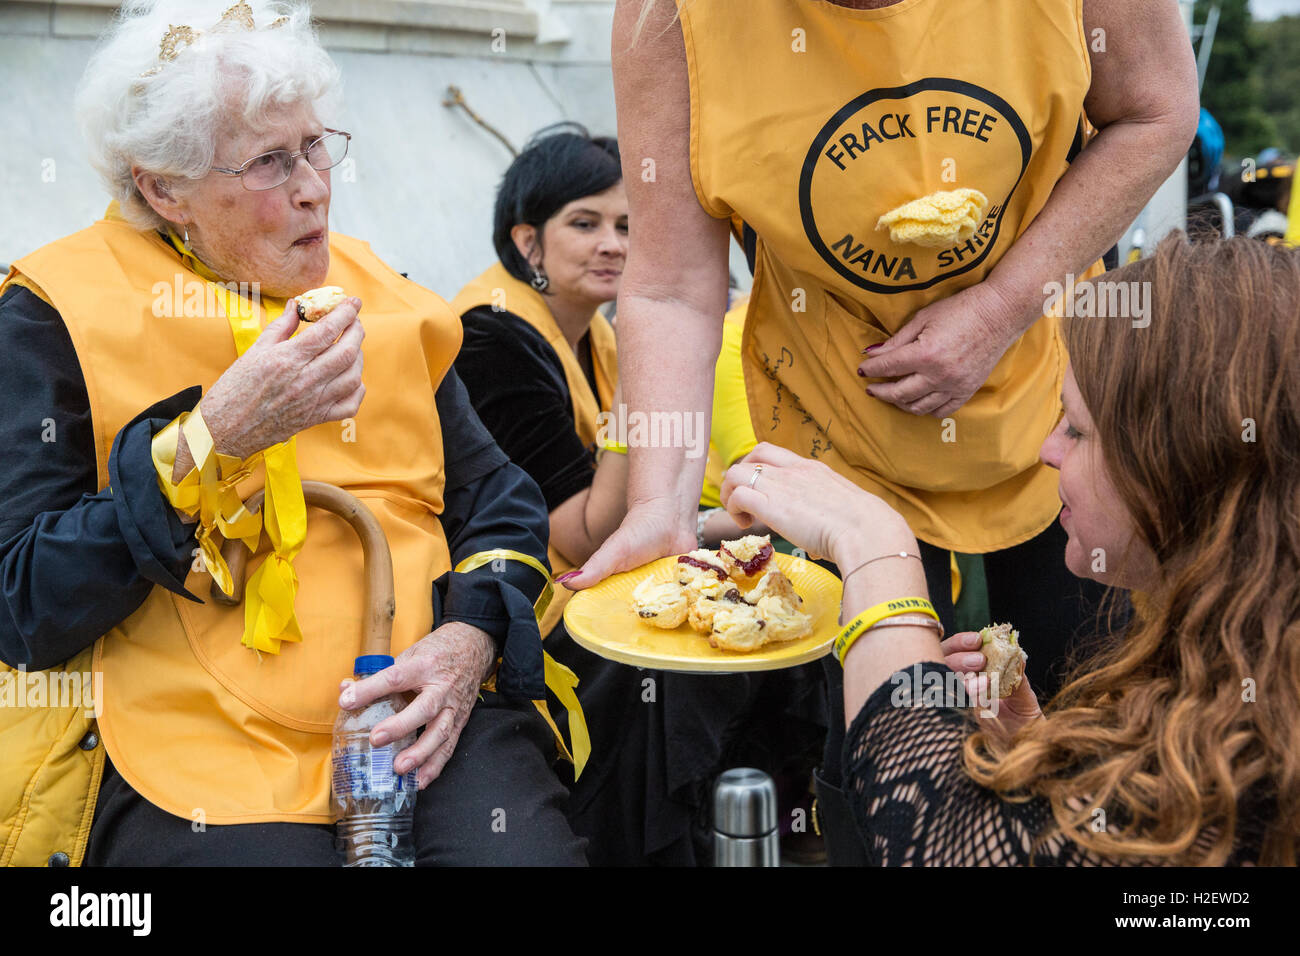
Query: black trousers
{"x": 496, "y": 803}
{"x": 658, "y": 741}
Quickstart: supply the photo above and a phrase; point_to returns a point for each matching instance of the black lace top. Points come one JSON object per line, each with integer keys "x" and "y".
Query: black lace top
{"x": 915, "y": 805}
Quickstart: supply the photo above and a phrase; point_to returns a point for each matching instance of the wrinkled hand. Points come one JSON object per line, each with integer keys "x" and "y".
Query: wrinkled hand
{"x": 943, "y": 355}
{"x": 444, "y": 671}
{"x": 961, "y": 652}
{"x": 284, "y": 383}
{"x": 804, "y": 501}
{"x": 650, "y": 530}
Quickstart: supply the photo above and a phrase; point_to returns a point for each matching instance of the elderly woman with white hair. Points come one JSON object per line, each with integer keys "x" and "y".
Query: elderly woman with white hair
{"x": 159, "y": 376}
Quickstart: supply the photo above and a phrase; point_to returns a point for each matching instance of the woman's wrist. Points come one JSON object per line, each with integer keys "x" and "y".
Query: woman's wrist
{"x": 184, "y": 460}
{"x": 878, "y": 530}
{"x": 213, "y": 419}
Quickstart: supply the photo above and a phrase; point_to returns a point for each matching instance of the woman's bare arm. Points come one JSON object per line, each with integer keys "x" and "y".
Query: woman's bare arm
{"x": 582, "y": 523}
{"x": 674, "y": 289}
{"x": 1145, "y": 104}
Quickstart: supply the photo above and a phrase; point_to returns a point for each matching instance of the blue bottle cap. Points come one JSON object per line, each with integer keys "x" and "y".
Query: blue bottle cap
{"x": 368, "y": 664}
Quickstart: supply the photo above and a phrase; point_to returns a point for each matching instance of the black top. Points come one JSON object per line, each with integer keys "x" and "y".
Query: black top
{"x": 916, "y": 806}
{"x": 517, "y": 386}
{"x": 76, "y": 560}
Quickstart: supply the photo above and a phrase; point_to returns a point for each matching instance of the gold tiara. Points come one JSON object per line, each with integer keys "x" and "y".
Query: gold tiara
{"x": 177, "y": 38}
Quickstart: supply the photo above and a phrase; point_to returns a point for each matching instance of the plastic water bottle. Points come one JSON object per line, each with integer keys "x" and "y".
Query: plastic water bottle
{"x": 374, "y": 805}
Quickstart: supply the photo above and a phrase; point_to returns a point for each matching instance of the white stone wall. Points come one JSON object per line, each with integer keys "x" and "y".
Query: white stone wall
{"x": 425, "y": 176}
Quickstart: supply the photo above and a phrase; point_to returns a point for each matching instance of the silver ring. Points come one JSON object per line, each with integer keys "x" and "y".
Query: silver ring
{"x": 758, "y": 470}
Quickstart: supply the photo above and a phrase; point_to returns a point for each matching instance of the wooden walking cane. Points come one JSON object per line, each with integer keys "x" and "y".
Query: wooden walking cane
{"x": 377, "y": 626}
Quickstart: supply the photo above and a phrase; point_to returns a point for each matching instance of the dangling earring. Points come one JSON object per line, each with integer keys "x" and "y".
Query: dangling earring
{"x": 185, "y": 240}
{"x": 539, "y": 280}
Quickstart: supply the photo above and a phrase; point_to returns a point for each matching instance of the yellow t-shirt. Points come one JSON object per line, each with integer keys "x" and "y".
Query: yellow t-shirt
{"x": 731, "y": 436}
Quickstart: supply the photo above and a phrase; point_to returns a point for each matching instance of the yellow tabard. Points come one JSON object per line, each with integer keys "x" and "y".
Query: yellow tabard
{"x": 854, "y": 113}
{"x": 200, "y": 725}
{"x": 499, "y": 289}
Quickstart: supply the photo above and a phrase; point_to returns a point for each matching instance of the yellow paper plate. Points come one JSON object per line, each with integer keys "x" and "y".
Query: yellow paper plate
{"x": 601, "y": 619}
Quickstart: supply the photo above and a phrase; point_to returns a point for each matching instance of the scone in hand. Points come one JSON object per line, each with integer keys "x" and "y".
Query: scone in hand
{"x": 319, "y": 303}
{"x": 1005, "y": 658}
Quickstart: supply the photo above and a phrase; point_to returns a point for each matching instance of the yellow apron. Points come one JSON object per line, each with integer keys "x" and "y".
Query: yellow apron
{"x": 197, "y": 723}
{"x": 498, "y": 288}
{"x": 855, "y": 113}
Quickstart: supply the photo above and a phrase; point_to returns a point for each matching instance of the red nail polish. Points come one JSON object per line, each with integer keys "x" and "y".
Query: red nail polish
{"x": 870, "y": 347}
{"x": 564, "y": 577}
{"x": 861, "y": 374}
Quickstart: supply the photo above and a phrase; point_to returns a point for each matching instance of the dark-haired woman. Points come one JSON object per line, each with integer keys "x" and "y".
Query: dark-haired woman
{"x": 538, "y": 356}
{"x": 540, "y": 365}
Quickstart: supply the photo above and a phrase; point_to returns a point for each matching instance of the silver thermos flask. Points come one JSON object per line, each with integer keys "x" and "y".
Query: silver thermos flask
{"x": 744, "y": 819}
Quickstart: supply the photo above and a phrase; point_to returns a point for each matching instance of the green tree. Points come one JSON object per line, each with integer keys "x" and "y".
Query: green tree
{"x": 1279, "y": 74}
{"x": 1233, "y": 90}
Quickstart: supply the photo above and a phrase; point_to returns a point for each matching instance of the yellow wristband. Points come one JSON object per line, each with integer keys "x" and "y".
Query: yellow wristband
{"x": 872, "y": 616}
{"x": 618, "y": 447}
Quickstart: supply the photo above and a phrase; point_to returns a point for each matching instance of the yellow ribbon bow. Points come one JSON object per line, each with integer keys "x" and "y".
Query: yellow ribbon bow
{"x": 560, "y": 679}
{"x": 269, "y": 616}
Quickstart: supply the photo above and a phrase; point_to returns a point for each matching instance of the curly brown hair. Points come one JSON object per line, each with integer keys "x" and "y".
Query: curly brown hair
{"x": 1186, "y": 727}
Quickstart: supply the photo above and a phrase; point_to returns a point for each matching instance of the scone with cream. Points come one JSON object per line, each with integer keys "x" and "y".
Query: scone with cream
{"x": 774, "y": 584}
{"x": 319, "y": 303}
{"x": 738, "y": 628}
{"x": 661, "y": 603}
{"x": 701, "y": 610}
{"x": 700, "y": 567}
{"x": 747, "y": 559}
{"x": 784, "y": 621}
{"x": 1004, "y": 658}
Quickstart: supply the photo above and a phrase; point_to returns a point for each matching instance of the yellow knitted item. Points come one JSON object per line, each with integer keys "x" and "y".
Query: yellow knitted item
{"x": 938, "y": 220}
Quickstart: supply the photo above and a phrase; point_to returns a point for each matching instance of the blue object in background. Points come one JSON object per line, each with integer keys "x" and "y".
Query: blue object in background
{"x": 1205, "y": 157}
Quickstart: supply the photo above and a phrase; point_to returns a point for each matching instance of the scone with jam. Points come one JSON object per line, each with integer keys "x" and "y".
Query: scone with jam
{"x": 700, "y": 567}
{"x": 747, "y": 559}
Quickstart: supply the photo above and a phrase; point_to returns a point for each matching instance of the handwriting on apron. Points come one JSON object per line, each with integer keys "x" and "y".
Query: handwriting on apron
{"x": 787, "y": 399}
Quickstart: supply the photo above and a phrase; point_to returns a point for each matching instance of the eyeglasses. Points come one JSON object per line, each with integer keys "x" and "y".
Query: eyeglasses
{"x": 274, "y": 168}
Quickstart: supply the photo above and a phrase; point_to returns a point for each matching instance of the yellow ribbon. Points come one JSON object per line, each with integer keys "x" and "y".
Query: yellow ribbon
{"x": 269, "y": 616}
{"x": 560, "y": 679}
{"x": 268, "y": 607}
{"x": 205, "y": 491}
